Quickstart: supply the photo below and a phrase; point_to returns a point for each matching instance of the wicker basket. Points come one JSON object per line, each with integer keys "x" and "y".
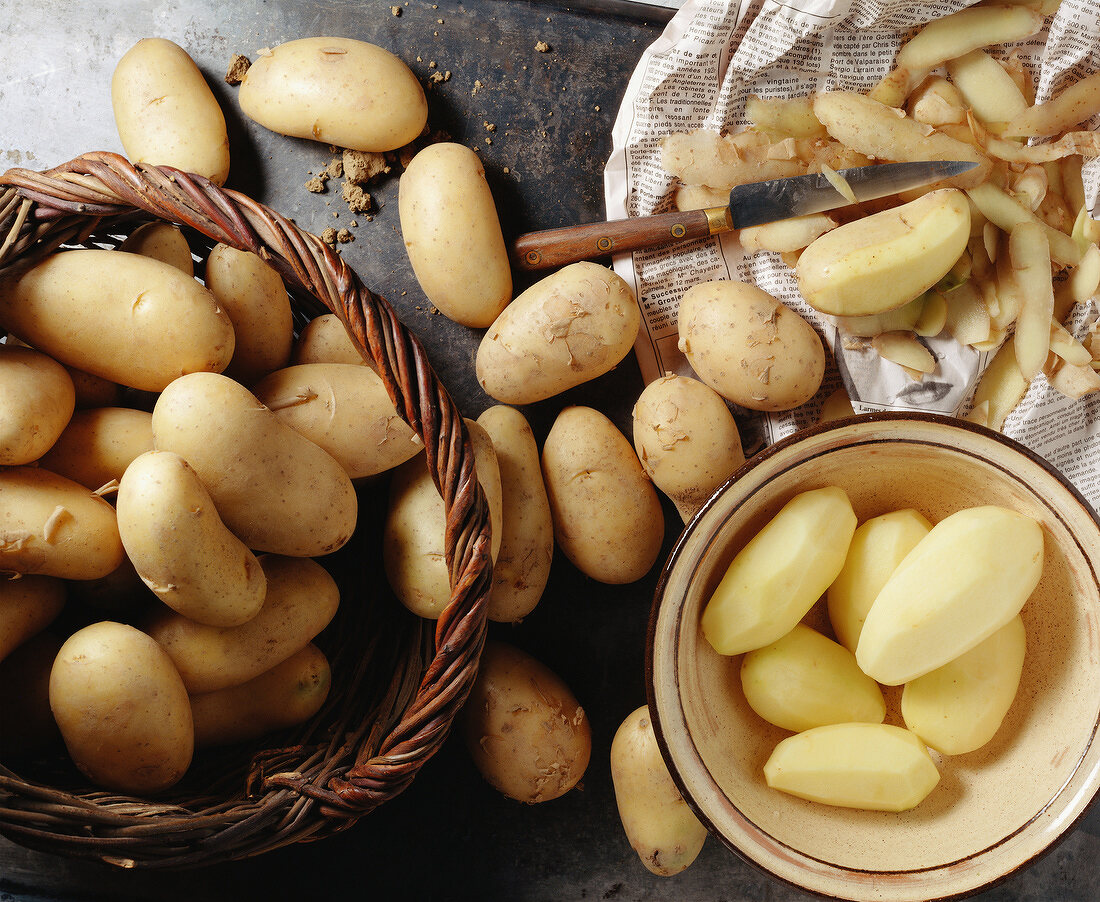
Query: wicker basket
{"x": 397, "y": 684}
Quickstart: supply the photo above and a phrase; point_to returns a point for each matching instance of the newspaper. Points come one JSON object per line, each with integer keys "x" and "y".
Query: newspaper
{"x": 698, "y": 73}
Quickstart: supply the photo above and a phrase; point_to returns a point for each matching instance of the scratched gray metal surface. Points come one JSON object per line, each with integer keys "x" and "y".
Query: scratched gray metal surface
{"x": 449, "y": 836}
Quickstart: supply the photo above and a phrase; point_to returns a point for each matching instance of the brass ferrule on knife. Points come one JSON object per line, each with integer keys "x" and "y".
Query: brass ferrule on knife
{"x": 719, "y": 220}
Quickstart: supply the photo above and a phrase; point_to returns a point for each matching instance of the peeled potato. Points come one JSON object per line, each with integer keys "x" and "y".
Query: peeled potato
{"x": 776, "y": 578}
{"x": 885, "y": 260}
{"x": 966, "y": 579}
{"x": 874, "y": 766}
{"x": 878, "y": 546}
{"x": 958, "y": 707}
{"x": 806, "y": 680}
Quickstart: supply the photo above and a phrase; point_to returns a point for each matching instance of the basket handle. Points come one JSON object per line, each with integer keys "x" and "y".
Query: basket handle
{"x": 47, "y": 209}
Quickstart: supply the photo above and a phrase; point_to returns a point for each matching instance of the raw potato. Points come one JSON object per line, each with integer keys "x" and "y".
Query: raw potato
{"x": 28, "y": 604}
{"x": 274, "y": 488}
{"x": 1073, "y": 105}
{"x": 162, "y": 241}
{"x": 525, "y": 730}
{"x": 787, "y": 234}
{"x": 566, "y": 329}
{"x": 1029, "y": 253}
{"x": 253, "y": 296}
{"x": 966, "y": 579}
{"x": 988, "y": 89}
{"x": 607, "y": 516}
{"x": 885, "y": 133}
{"x": 522, "y": 565}
{"x": 99, "y": 444}
{"x": 285, "y": 696}
{"x": 165, "y": 112}
{"x": 94, "y": 391}
{"x": 39, "y": 399}
{"x": 885, "y": 260}
{"x": 805, "y": 680}
{"x": 878, "y": 767}
{"x": 958, "y": 707}
{"x": 27, "y": 727}
{"x": 412, "y": 538}
{"x": 345, "y": 409}
{"x": 955, "y": 35}
{"x": 452, "y": 234}
{"x": 749, "y": 347}
{"x": 301, "y": 600}
{"x": 179, "y": 546}
{"x": 336, "y": 90}
{"x": 54, "y": 526}
{"x": 122, "y": 709}
{"x": 660, "y": 826}
{"x": 878, "y": 546}
{"x": 686, "y": 439}
{"x": 123, "y": 317}
{"x": 1006, "y": 212}
{"x": 776, "y": 578}
{"x": 324, "y": 339}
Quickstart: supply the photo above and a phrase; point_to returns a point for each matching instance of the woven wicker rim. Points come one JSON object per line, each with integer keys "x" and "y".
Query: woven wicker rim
{"x": 318, "y": 785}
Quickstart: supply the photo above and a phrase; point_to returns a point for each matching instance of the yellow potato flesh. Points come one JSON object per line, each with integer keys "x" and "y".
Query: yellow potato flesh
{"x": 885, "y": 260}
{"x": 958, "y": 707}
{"x": 807, "y": 680}
{"x": 965, "y": 580}
{"x": 776, "y": 578}
{"x": 854, "y": 765}
{"x": 878, "y": 546}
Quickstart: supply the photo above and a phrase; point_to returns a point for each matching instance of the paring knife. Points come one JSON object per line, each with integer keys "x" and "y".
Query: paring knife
{"x": 753, "y": 204}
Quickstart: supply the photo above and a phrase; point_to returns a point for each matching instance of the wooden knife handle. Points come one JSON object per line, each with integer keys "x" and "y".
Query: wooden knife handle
{"x": 558, "y": 247}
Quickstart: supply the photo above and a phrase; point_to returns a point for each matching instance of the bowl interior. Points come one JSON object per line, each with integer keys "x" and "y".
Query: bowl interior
{"x": 994, "y": 808}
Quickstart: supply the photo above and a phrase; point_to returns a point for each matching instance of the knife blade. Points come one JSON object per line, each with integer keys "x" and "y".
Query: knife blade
{"x": 752, "y": 204}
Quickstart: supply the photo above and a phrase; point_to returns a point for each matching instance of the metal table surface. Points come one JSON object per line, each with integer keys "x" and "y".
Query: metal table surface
{"x": 541, "y": 121}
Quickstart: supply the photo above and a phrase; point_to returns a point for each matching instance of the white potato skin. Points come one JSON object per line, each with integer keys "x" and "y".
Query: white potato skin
{"x": 568, "y": 328}
{"x": 123, "y": 317}
{"x": 254, "y": 297}
{"x": 99, "y": 444}
{"x": 686, "y": 439}
{"x": 337, "y": 90}
{"x": 122, "y": 709}
{"x": 658, "y": 823}
{"x": 346, "y": 410}
{"x": 286, "y": 695}
{"x": 324, "y": 339}
{"x": 301, "y": 600}
{"x": 39, "y": 400}
{"x": 524, "y": 728}
{"x": 180, "y": 547}
{"x": 750, "y": 347}
{"x": 166, "y": 113}
{"x": 607, "y": 517}
{"x": 413, "y": 534}
{"x": 527, "y": 530}
{"x": 452, "y": 234}
{"x": 28, "y": 604}
{"x": 274, "y": 488}
{"x": 56, "y": 527}
{"x": 162, "y": 241}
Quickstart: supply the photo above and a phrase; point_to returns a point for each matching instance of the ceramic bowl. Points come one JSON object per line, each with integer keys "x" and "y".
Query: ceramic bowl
{"x": 994, "y": 809}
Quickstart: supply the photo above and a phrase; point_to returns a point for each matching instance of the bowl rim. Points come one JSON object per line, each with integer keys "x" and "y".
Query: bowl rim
{"x": 678, "y": 548}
